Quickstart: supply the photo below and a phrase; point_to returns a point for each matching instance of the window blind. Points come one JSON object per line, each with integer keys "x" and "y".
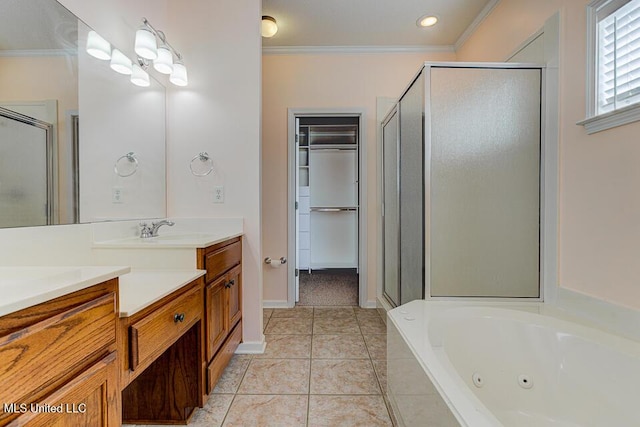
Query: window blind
{"x": 619, "y": 58}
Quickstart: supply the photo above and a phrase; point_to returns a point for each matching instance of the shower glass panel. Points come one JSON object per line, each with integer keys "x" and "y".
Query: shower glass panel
{"x": 390, "y": 171}
{"x": 484, "y": 201}
{"x": 412, "y": 192}
{"x": 25, "y": 171}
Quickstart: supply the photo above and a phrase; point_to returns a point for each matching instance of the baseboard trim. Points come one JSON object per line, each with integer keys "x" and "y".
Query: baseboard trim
{"x": 369, "y": 304}
{"x": 255, "y": 347}
{"x": 275, "y": 304}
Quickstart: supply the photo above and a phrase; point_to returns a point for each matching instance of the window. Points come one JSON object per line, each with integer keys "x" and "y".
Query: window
{"x": 613, "y": 94}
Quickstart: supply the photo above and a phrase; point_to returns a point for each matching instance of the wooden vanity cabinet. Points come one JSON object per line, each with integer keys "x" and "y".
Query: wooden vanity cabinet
{"x": 62, "y": 361}
{"x": 223, "y": 304}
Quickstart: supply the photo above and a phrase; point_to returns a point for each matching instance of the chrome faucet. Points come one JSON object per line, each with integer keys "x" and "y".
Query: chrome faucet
{"x": 156, "y": 225}
{"x": 152, "y": 231}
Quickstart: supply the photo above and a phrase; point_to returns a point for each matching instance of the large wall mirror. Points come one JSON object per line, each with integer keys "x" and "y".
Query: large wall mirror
{"x": 78, "y": 141}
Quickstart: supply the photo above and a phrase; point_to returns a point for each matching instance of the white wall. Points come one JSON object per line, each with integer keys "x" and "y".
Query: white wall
{"x": 219, "y": 112}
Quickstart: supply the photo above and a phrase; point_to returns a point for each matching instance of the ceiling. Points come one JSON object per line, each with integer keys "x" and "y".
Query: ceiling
{"x": 382, "y": 23}
{"x": 36, "y": 25}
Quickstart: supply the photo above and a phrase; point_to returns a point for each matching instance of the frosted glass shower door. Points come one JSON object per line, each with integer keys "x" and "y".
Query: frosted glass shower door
{"x": 390, "y": 213}
{"x": 484, "y": 193}
{"x": 24, "y": 184}
{"x": 412, "y": 192}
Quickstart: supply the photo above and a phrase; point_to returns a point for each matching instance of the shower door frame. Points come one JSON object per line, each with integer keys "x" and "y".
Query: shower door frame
{"x": 49, "y": 152}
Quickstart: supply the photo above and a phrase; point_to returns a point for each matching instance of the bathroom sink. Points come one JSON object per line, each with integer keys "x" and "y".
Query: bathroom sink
{"x": 187, "y": 237}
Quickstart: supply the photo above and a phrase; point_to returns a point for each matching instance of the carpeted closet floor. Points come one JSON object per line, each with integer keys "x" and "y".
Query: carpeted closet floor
{"x": 329, "y": 287}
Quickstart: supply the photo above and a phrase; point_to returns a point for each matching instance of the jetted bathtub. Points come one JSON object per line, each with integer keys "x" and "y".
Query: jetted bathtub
{"x": 507, "y": 364}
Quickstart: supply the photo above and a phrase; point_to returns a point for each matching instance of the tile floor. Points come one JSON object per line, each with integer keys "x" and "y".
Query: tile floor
{"x": 323, "y": 366}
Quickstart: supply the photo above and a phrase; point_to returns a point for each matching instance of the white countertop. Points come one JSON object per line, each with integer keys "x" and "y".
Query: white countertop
{"x": 171, "y": 241}
{"x": 23, "y": 287}
{"x": 141, "y": 288}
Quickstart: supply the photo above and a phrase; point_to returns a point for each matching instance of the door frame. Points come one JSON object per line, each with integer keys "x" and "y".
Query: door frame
{"x": 292, "y": 114}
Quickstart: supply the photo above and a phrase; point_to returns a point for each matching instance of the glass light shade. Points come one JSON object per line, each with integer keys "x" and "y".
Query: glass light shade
{"x": 97, "y": 46}
{"x": 269, "y": 26}
{"x": 145, "y": 44}
{"x": 427, "y": 21}
{"x": 120, "y": 63}
{"x": 139, "y": 77}
{"x": 179, "y": 75}
{"x": 164, "y": 62}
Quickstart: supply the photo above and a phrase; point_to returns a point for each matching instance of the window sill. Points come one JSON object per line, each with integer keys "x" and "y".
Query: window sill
{"x": 619, "y": 117}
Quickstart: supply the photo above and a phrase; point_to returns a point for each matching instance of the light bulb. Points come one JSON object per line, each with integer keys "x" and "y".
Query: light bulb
{"x": 120, "y": 63}
{"x": 145, "y": 44}
{"x": 97, "y": 46}
{"x": 179, "y": 75}
{"x": 269, "y": 27}
{"x": 427, "y": 21}
{"x": 164, "y": 62}
{"x": 139, "y": 77}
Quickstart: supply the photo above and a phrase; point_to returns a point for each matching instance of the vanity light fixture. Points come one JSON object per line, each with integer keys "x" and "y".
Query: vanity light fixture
{"x": 164, "y": 62}
{"x": 120, "y": 63}
{"x": 97, "y": 46}
{"x": 269, "y": 26}
{"x": 146, "y": 46}
{"x": 427, "y": 21}
{"x": 139, "y": 77}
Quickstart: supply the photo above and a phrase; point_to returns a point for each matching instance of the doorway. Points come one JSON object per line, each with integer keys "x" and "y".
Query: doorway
{"x": 326, "y": 208}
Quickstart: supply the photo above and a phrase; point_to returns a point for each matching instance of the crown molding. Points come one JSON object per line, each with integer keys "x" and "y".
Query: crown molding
{"x": 38, "y": 52}
{"x": 315, "y": 50}
{"x": 475, "y": 24}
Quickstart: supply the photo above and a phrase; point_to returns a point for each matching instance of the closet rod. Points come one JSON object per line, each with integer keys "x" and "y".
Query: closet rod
{"x": 332, "y": 209}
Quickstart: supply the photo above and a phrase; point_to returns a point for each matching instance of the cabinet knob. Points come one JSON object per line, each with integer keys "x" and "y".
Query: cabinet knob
{"x": 232, "y": 282}
{"x": 178, "y": 317}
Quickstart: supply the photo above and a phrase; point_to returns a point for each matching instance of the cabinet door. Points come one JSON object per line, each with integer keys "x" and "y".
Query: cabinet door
{"x": 234, "y": 292}
{"x": 216, "y": 315}
{"x": 90, "y": 399}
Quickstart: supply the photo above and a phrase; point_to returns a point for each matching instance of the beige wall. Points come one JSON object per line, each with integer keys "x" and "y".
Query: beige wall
{"x": 323, "y": 81}
{"x": 599, "y": 196}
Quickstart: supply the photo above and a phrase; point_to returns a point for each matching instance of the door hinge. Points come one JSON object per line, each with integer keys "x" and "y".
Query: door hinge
{"x": 297, "y": 272}
{"x": 297, "y": 138}
{"x": 296, "y": 205}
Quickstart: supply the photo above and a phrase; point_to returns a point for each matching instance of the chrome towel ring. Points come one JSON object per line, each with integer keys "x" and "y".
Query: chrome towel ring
{"x": 204, "y": 160}
{"x": 131, "y": 165}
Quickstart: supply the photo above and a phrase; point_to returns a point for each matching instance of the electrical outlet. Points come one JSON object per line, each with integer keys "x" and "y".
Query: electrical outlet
{"x": 116, "y": 195}
{"x": 218, "y": 194}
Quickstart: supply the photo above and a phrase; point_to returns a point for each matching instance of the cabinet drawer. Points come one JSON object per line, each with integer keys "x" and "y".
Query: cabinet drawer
{"x": 62, "y": 343}
{"x": 152, "y": 335}
{"x": 218, "y": 262}
{"x": 216, "y": 367}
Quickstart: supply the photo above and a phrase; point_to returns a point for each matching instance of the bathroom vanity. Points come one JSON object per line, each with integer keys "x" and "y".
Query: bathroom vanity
{"x": 112, "y": 345}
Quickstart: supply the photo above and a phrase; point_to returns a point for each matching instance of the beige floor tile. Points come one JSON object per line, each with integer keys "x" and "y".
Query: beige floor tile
{"x": 265, "y": 322}
{"x": 329, "y": 325}
{"x": 213, "y": 413}
{"x": 343, "y": 377}
{"x": 267, "y": 410}
{"x": 372, "y": 325}
{"x": 286, "y": 347}
{"x": 289, "y": 325}
{"x": 267, "y": 312}
{"x": 366, "y": 312}
{"x": 232, "y": 375}
{"x": 276, "y": 376}
{"x": 333, "y": 312}
{"x": 293, "y": 312}
{"x": 348, "y": 411}
{"x": 377, "y": 345}
{"x": 380, "y": 366}
{"x": 343, "y": 346}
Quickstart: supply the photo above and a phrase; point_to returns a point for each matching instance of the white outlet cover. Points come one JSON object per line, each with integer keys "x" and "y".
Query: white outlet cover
{"x": 218, "y": 194}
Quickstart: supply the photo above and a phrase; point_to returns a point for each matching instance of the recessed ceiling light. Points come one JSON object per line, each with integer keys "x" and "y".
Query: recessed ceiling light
{"x": 426, "y": 21}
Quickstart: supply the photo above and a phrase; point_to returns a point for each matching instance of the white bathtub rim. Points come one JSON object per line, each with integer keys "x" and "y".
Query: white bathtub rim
{"x": 465, "y": 406}
{"x": 461, "y": 400}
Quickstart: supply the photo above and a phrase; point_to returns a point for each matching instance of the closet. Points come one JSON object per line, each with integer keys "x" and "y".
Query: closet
{"x": 461, "y": 184}
{"x": 327, "y": 193}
